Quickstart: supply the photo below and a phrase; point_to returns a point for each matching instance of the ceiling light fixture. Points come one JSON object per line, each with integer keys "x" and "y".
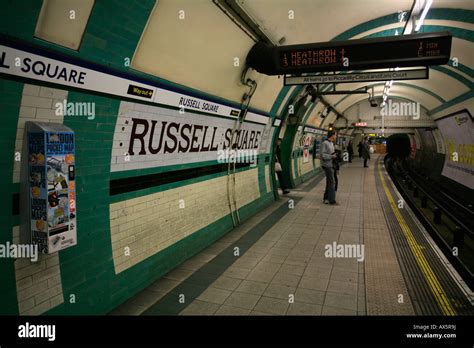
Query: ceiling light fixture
{"x": 420, "y": 21}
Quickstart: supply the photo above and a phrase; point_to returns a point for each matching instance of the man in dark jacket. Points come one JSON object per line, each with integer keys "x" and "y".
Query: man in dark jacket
{"x": 366, "y": 152}
{"x": 359, "y": 148}
{"x": 278, "y": 168}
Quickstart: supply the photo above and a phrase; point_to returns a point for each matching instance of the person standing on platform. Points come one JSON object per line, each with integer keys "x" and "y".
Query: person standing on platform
{"x": 327, "y": 156}
{"x": 359, "y": 147}
{"x": 350, "y": 151}
{"x": 366, "y": 152}
{"x": 278, "y": 168}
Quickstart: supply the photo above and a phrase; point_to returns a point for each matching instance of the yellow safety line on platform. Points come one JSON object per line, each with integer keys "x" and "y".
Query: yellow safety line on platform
{"x": 430, "y": 276}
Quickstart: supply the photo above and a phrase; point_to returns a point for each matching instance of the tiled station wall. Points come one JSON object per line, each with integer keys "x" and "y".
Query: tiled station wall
{"x": 38, "y": 285}
{"x": 157, "y": 230}
{"x": 152, "y": 223}
{"x": 94, "y": 276}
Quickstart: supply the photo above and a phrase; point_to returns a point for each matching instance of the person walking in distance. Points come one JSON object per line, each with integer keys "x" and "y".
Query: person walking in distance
{"x": 366, "y": 152}
{"x": 278, "y": 168}
{"x": 359, "y": 148}
{"x": 350, "y": 151}
{"x": 327, "y": 156}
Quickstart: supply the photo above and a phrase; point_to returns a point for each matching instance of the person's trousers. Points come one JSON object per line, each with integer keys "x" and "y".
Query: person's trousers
{"x": 365, "y": 162}
{"x": 280, "y": 180}
{"x": 335, "y": 180}
{"x": 330, "y": 193}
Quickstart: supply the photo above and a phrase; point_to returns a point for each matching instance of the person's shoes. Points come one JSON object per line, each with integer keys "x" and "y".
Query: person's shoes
{"x": 285, "y": 192}
{"x": 326, "y": 201}
{"x": 334, "y": 203}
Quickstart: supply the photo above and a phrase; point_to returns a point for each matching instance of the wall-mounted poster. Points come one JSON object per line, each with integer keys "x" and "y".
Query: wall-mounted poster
{"x": 51, "y": 168}
{"x": 457, "y": 131}
{"x": 439, "y": 141}
{"x": 37, "y": 190}
{"x": 307, "y": 143}
{"x": 317, "y": 147}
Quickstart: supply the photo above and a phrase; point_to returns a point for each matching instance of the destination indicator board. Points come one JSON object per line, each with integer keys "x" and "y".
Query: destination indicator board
{"x": 423, "y": 49}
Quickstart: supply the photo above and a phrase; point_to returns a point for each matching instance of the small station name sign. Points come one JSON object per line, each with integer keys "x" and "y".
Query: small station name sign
{"x": 313, "y": 130}
{"x": 414, "y": 50}
{"x": 412, "y": 74}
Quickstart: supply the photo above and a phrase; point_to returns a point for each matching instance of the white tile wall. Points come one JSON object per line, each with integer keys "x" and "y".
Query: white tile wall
{"x": 38, "y": 284}
{"x": 149, "y": 224}
{"x": 308, "y": 166}
{"x": 267, "y": 178}
{"x": 37, "y": 104}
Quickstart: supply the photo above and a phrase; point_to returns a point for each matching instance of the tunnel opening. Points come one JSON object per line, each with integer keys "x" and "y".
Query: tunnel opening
{"x": 398, "y": 146}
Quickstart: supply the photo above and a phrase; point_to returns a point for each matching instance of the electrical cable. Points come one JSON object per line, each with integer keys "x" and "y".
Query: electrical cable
{"x": 236, "y": 128}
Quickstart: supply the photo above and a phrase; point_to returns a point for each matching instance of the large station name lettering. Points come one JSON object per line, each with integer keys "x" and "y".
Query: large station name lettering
{"x": 170, "y": 137}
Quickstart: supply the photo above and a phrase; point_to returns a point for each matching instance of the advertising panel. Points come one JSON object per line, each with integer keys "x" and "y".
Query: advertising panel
{"x": 439, "y": 141}
{"x": 37, "y": 190}
{"x": 307, "y": 143}
{"x": 52, "y": 192}
{"x": 457, "y": 131}
{"x": 317, "y": 147}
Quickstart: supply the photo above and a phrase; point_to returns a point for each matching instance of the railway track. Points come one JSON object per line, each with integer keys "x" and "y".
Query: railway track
{"x": 449, "y": 221}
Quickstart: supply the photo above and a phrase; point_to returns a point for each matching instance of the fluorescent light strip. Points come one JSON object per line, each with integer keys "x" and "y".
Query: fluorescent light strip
{"x": 423, "y": 15}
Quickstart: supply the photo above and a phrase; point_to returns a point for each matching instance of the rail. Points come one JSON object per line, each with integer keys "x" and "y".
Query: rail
{"x": 467, "y": 230}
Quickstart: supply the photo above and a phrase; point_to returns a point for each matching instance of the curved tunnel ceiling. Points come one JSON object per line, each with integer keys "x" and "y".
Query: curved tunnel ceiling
{"x": 188, "y": 53}
{"x": 446, "y": 83}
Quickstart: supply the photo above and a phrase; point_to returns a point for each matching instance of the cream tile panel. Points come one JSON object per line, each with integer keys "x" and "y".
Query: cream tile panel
{"x": 141, "y": 227}
{"x": 267, "y": 178}
{"x": 38, "y": 284}
{"x": 37, "y": 104}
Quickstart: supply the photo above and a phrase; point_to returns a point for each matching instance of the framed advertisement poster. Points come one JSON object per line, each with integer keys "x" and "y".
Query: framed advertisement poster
{"x": 457, "y": 131}
{"x": 51, "y": 186}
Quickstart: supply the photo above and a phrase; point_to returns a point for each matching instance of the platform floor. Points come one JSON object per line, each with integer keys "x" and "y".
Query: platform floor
{"x": 283, "y": 266}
